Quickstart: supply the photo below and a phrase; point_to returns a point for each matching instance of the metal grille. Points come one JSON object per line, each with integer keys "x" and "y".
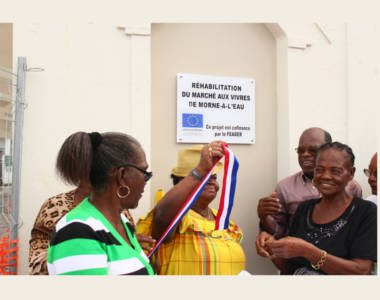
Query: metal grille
{"x": 11, "y": 118}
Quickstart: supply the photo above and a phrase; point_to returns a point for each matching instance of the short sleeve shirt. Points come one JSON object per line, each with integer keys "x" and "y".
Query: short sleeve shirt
{"x": 293, "y": 190}
{"x": 352, "y": 235}
{"x": 85, "y": 243}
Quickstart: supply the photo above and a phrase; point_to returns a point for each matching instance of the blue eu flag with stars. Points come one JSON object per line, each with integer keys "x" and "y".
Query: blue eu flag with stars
{"x": 192, "y": 120}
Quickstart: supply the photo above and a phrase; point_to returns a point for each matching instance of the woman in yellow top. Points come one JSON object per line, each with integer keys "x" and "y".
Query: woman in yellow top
{"x": 194, "y": 247}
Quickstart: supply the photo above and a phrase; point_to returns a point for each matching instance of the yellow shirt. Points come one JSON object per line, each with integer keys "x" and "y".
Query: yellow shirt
{"x": 197, "y": 249}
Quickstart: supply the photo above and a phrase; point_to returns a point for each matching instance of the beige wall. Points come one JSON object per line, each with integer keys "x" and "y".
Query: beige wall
{"x": 95, "y": 78}
{"x": 98, "y": 78}
{"x": 6, "y": 80}
{"x": 232, "y": 50}
{"x": 332, "y": 76}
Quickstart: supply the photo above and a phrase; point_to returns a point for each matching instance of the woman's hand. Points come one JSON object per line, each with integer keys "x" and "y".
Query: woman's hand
{"x": 145, "y": 241}
{"x": 289, "y": 247}
{"x": 261, "y": 244}
{"x": 209, "y": 155}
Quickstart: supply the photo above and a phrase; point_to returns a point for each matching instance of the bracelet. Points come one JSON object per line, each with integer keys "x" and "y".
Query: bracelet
{"x": 321, "y": 261}
{"x": 196, "y": 174}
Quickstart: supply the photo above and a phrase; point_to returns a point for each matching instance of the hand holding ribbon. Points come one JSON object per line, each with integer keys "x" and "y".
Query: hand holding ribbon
{"x": 210, "y": 156}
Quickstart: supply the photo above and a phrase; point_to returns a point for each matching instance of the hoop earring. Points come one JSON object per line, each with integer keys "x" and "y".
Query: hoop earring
{"x": 123, "y": 196}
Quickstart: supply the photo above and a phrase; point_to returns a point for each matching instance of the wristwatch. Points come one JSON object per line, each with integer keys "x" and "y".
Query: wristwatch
{"x": 196, "y": 174}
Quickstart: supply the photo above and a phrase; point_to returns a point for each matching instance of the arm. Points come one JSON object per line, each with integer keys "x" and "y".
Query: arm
{"x": 38, "y": 249}
{"x": 281, "y": 219}
{"x": 170, "y": 204}
{"x": 40, "y": 236}
{"x": 290, "y": 247}
{"x": 266, "y": 209}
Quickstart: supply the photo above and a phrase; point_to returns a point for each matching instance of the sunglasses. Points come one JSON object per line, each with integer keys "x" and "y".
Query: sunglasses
{"x": 311, "y": 150}
{"x": 147, "y": 175}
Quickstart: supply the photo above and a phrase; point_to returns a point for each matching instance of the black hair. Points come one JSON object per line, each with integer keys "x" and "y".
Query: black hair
{"x": 114, "y": 150}
{"x": 92, "y": 156}
{"x": 338, "y": 146}
{"x": 74, "y": 158}
{"x": 328, "y": 138}
{"x": 176, "y": 179}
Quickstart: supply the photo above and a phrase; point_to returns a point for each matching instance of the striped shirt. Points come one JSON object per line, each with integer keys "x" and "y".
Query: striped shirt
{"x": 197, "y": 248}
{"x": 85, "y": 243}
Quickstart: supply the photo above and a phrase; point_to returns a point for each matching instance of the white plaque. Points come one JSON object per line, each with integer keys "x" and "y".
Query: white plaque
{"x": 215, "y": 108}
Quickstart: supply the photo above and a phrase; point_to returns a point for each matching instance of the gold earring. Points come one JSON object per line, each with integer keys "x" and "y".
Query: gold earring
{"x": 313, "y": 181}
{"x": 125, "y": 187}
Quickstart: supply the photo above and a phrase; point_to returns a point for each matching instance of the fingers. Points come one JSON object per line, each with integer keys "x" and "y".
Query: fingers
{"x": 216, "y": 149}
{"x": 261, "y": 246}
{"x": 143, "y": 238}
{"x": 269, "y": 206}
{"x": 145, "y": 241}
{"x": 209, "y": 155}
{"x": 263, "y": 237}
{"x": 260, "y": 249}
{"x": 276, "y": 247}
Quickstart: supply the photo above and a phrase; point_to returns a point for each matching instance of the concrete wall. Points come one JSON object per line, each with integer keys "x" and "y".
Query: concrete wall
{"x": 6, "y": 80}
{"x": 231, "y": 50}
{"x": 98, "y": 78}
{"x": 332, "y": 75}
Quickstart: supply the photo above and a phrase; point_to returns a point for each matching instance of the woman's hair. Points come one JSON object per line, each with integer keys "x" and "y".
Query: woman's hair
{"x": 176, "y": 179}
{"x": 74, "y": 158}
{"x": 110, "y": 151}
{"x": 93, "y": 157}
{"x": 340, "y": 147}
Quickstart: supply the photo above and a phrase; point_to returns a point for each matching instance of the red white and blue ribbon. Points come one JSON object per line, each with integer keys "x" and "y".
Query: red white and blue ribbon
{"x": 225, "y": 206}
{"x": 231, "y": 166}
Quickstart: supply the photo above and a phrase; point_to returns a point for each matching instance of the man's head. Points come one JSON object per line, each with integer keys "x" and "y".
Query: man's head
{"x": 309, "y": 143}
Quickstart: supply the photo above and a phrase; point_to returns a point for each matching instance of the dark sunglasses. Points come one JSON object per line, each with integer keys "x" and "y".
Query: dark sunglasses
{"x": 147, "y": 175}
{"x": 311, "y": 150}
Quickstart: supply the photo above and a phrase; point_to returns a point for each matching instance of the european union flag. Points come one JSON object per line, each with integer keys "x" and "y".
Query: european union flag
{"x": 192, "y": 120}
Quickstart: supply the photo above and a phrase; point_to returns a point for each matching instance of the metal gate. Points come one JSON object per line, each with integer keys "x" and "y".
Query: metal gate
{"x": 12, "y": 104}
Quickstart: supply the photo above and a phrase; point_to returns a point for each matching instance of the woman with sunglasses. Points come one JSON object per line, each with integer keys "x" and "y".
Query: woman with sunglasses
{"x": 95, "y": 238}
{"x": 73, "y": 166}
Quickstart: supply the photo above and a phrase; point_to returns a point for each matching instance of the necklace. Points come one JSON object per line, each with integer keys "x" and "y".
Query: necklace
{"x": 209, "y": 214}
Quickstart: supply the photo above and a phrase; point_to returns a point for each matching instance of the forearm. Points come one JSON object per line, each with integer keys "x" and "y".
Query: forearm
{"x": 37, "y": 256}
{"x": 171, "y": 203}
{"x": 267, "y": 224}
{"x": 335, "y": 265}
{"x": 283, "y": 265}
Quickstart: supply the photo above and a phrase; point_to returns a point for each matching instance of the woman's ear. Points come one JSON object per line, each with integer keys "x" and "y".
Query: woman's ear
{"x": 120, "y": 176}
{"x": 352, "y": 172}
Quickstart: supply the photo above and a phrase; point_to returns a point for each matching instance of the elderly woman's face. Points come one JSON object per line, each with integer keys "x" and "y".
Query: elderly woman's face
{"x": 333, "y": 171}
{"x": 211, "y": 189}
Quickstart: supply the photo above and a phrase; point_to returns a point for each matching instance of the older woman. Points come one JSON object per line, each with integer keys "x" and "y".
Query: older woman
{"x": 95, "y": 237}
{"x": 335, "y": 234}
{"x": 73, "y": 166}
{"x": 194, "y": 247}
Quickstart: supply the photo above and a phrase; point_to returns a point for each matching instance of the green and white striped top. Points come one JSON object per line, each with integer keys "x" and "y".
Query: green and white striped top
{"x": 85, "y": 243}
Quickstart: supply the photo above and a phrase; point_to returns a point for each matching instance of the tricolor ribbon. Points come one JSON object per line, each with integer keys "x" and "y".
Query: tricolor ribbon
{"x": 231, "y": 166}
{"x": 222, "y": 220}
